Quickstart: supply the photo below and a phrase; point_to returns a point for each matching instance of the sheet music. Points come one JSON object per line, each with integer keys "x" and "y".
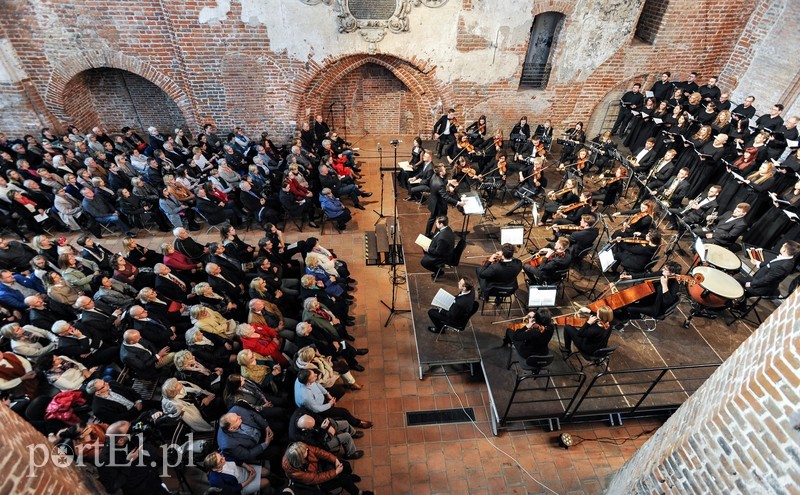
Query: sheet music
{"x": 606, "y": 258}
{"x": 540, "y": 297}
{"x": 792, "y": 216}
{"x": 535, "y": 214}
{"x": 472, "y": 205}
{"x": 423, "y": 242}
{"x": 40, "y": 218}
{"x": 792, "y": 144}
{"x": 443, "y": 299}
{"x": 657, "y": 120}
{"x": 512, "y": 235}
{"x": 737, "y": 176}
{"x": 405, "y": 166}
{"x": 634, "y": 112}
{"x": 649, "y": 94}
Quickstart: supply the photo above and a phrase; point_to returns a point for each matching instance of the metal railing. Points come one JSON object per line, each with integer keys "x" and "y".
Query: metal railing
{"x": 535, "y": 76}
{"x": 628, "y": 391}
{"x": 567, "y": 396}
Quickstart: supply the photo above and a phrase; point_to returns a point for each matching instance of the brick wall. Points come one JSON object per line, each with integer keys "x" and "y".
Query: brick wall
{"x": 17, "y": 435}
{"x": 377, "y": 103}
{"x": 738, "y": 433}
{"x": 226, "y": 72}
{"x": 650, "y": 19}
{"x": 116, "y": 98}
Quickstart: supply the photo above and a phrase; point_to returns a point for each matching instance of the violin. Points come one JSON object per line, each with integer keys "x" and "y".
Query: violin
{"x": 539, "y": 258}
{"x": 633, "y": 219}
{"x": 582, "y": 163}
{"x": 482, "y": 129}
{"x": 469, "y": 171}
{"x": 498, "y": 141}
{"x": 576, "y": 319}
{"x": 559, "y": 193}
{"x": 573, "y": 206}
{"x": 632, "y": 240}
{"x": 565, "y": 228}
{"x": 539, "y": 150}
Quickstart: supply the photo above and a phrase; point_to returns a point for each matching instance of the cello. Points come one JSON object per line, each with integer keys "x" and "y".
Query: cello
{"x": 645, "y": 287}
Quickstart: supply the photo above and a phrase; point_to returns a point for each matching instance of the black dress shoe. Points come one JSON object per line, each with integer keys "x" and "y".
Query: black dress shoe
{"x": 350, "y": 280}
{"x": 358, "y": 454}
{"x": 357, "y": 434}
{"x": 349, "y": 288}
{"x": 361, "y": 352}
{"x": 313, "y": 224}
{"x": 359, "y": 207}
{"x": 349, "y": 338}
{"x": 366, "y": 194}
{"x": 349, "y": 302}
{"x": 434, "y": 330}
{"x": 357, "y": 367}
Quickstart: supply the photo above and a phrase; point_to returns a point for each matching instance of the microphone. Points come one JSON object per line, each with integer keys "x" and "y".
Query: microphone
{"x": 395, "y": 141}
{"x": 379, "y": 146}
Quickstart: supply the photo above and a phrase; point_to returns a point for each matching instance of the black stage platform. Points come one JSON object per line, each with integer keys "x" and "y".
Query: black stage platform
{"x": 654, "y": 370}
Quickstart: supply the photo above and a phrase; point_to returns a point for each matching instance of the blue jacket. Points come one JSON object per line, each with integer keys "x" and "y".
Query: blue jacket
{"x": 236, "y": 445}
{"x": 331, "y": 206}
{"x": 228, "y": 483}
{"x": 13, "y": 297}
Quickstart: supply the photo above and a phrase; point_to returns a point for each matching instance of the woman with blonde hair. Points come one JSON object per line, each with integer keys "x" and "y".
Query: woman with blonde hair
{"x": 139, "y": 256}
{"x": 220, "y": 303}
{"x": 332, "y": 285}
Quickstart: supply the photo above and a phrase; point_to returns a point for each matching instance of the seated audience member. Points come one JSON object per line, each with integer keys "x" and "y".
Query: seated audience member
{"x": 310, "y": 394}
{"x": 313, "y": 466}
{"x": 334, "y": 209}
{"x": 233, "y": 477}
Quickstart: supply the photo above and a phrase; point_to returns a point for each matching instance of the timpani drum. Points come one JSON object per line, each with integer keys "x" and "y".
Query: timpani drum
{"x": 715, "y": 289}
{"x": 721, "y": 258}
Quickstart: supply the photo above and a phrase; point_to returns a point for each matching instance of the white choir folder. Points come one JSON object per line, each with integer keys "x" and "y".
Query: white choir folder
{"x": 443, "y": 299}
{"x": 423, "y": 242}
{"x": 405, "y": 166}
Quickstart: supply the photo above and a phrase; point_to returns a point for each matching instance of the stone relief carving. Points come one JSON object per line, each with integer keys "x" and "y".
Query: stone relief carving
{"x": 372, "y": 18}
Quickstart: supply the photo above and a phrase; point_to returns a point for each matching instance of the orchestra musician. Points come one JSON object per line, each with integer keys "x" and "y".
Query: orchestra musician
{"x": 476, "y": 132}
{"x": 663, "y": 170}
{"x": 675, "y": 190}
{"x": 520, "y": 133}
{"x": 581, "y": 239}
{"x": 573, "y": 137}
{"x": 499, "y": 270}
{"x": 445, "y": 131}
{"x": 766, "y": 280}
{"x": 729, "y": 227}
{"x": 462, "y": 148}
{"x": 611, "y": 188}
{"x": 459, "y": 311}
{"x": 464, "y": 173}
{"x": 633, "y": 254}
{"x": 550, "y": 262}
{"x": 545, "y": 132}
{"x": 491, "y": 149}
{"x": 420, "y": 182}
{"x": 441, "y": 247}
{"x": 571, "y": 215}
{"x": 493, "y": 178}
{"x": 698, "y": 209}
{"x": 592, "y": 336}
{"x": 441, "y": 196}
{"x": 531, "y": 184}
{"x": 557, "y": 199}
{"x": 532, "y": 336}
{"x": 604, "y": 146}
{"x": 415, "y": 161}
{"x": 645, "y": 156}
{"x": 666, "y": 294}
{"x": 638, "y": 223}
{"x": 532, "y": 148}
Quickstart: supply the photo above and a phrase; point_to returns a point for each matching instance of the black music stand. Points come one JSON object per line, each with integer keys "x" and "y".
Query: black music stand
{"x": 395, "y": 254}
{"x": 380, "y": 214}
{"x": 595, "y": 254}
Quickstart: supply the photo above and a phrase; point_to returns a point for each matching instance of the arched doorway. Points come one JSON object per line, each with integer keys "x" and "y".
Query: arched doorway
{"x": 115, "y": 98}
{"x": 383, "y": 94}
{"x": 377, "y": 102}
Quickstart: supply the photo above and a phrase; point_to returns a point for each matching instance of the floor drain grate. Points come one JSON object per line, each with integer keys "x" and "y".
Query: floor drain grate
{"x": 440, "y": 416}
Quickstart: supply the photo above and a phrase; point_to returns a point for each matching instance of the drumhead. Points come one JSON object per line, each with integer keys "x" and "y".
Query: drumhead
{"x": 719, "y": 282}
{"x": 722, "y": 258}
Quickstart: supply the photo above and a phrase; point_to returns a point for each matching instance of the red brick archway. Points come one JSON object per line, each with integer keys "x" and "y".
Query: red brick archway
{"x": 419, "y": 81}
{"x": 66, "y": 69}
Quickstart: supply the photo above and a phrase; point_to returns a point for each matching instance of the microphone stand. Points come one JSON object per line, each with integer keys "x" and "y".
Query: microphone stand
{"x": 380, "y": 214}
{"x": 395, "y": 252}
